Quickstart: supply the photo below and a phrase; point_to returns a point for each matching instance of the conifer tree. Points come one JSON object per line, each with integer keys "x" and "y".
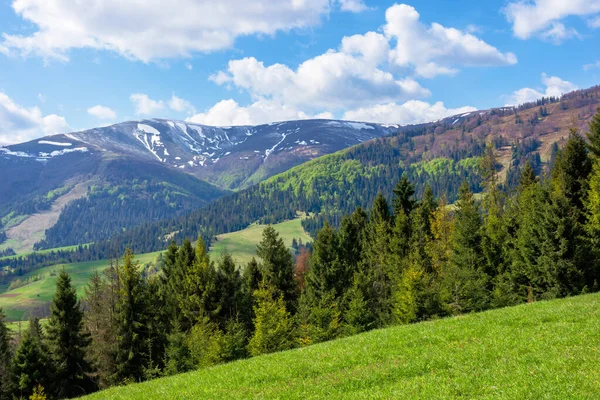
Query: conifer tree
{"x": 5, "y": 356}
{"x": 131, "y": 321}
{"x": 592, "y": 226}
{"x": 527, "y": 176}
{"x": 30, "y": 365}
{"x": 199, "y": 297}
{"x": 278, "y": 267}
{"x": 403, "y": 196}
{"x": 68, "y": 342}
{"x": 593, "y": 135}
{"x": 229, "y": 286}
{"x": 357, "y": 316}
{"x": 273, "y": 324}
{"x": 178, "y": 358}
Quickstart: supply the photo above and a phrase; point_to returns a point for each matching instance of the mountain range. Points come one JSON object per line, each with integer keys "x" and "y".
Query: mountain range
{"x": 86, "y": 186}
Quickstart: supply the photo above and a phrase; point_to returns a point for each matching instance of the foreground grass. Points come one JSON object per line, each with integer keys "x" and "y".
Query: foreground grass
{"x": 546, "y": 350}
{"x": 34, "y": 298}
{"x": 242, "y": 244}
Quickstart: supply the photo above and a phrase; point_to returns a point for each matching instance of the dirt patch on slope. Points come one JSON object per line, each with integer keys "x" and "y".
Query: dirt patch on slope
{"x": 6, "y": 295}
{"x": 32, "y": 230}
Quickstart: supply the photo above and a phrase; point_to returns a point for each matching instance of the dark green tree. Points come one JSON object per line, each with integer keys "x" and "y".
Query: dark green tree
{"x": 5, "y": 356}
{"x": 68, "y": 342}
{"x": 278, "y": 267}
{"x": 132, "y": 330}
{"x": 403, "y": 196}
{"x": 30, "y": 364}
{"x": 593, "y": 135}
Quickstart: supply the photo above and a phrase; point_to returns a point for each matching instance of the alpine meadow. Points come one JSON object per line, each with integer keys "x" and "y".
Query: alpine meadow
{"x": 299, "y": 199}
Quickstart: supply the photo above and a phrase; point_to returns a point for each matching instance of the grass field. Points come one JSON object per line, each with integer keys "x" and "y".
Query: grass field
{"x": 65, "y": 248}
{"x": 34, "y": 297}
{"x": 545, "y": 350}
{"x": 242, "y": 244}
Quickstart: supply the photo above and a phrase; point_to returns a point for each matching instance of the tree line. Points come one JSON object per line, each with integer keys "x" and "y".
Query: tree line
{"x": 415, "y": 259}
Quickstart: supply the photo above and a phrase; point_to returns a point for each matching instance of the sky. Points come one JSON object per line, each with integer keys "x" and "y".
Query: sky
{"x": 68, "y": 65}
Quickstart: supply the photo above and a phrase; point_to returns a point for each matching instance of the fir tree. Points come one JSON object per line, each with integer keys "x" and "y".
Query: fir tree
{"x": 528, "y": 176}
{"x": 30, "y": 365}
{"x": 278, "y": 267}
{"x": 229, "y": 286}
{"x": 5, "y": 356}
{"x": 593, "y": 135}
{"x": 68, "y": 342}
{"x": 403, "y": 196}
{"x": 178, "y": 358}
{"x": 132, "y": 346}
{"x": 273, "y": 324}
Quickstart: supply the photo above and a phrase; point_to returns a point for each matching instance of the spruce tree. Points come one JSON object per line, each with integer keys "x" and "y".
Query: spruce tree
{"x": 30, "y": 365}
{"x": 278, "y": 267}
{"x": 273, "y": 324}
{"x": 593, "y": 135}
{"x": 229, "y": 288}
{"x": 68, "y": 342}
{"x": 592, "y": 226}
{"x": 178, "y": 358}
{"x": 132, "y": 330}
{"x": 528, "y": 176}
{"x": 403, "y": 196}
{"x": 5, "y": 356}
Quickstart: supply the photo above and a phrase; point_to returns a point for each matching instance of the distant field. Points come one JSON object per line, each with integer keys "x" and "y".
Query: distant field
{"x": 65, "y": 248}
{"x": 545, "y": 350}
{"x": 242, "y": 244}
{"x": 34, "y": 297}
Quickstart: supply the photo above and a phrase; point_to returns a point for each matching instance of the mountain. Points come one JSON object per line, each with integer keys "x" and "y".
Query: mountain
{"x": 109, "y": 179}
{"x": 442, "y": 154}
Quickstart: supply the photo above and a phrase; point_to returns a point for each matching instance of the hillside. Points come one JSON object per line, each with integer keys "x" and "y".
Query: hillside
{"x": 441, "y": 154}
{"x": 96, "y": 182}
{"x": 540, "y": 350}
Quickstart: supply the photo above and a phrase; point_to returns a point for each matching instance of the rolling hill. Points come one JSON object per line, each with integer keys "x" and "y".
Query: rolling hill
{"x": 539, "y": 350}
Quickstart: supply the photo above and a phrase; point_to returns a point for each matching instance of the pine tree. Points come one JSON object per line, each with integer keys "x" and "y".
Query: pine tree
{"x": 5, "y": 356}
{"x": 357, "y": 316}
{"x": 68, "y": 342}
{"x": 273, "y": 324}
{"x": 528, "y": 176}
{"x": 205, "y": 342}
{"x": 327, "y": 273}
{"x": 132, "y": 345}
{"x": 30, "y": 365}
{"x": 593, "y": 135}
{"x": 403, "y": 196}
{"x": 592, "y": 226}
{"x": 278, "y": 267}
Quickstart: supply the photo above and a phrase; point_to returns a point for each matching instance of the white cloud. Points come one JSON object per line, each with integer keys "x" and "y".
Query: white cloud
{"x": 19, "y": 124}
{"x": 189, "y": 66}
{"x": 588, "y": 67}
{"x": 180, "y": 105}
{"x": 354, "y": 6}
{"x": 150, "y": 30}
{"x": 41, "y": 98}
{"x": 101, "y": 112}
{"x": 555, "y": 87}
{"x": 334, "y": 80}
{"x": 230, "y": 113}
{"x": 594, "y": 22}
{"x": 144, "y": 105}
{"x": 435, "y": 49}
{"x": 411, "y": 112}
{"x": 531, "y": 17}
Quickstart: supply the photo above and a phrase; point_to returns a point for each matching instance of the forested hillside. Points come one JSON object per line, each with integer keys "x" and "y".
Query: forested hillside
{"x": 412, "y": 259}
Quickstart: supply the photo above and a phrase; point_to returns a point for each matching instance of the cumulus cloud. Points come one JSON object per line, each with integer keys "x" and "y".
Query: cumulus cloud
{"x": 19, "y": 124}
{"x": 354, "y": 6}
{"x": 145, "y": 31}
{"x": 144, "y": 105}
{"x": 334, "y": 80}
{"x": 555, "y": 87}
{"x": 230, "y": 113}
{"x": 181, "y": 105}
{"x": 101, "y": 112}
{"x": 532, "y": 17}
{"x": 411, "y": 112}
{"x": 435, "y": 49}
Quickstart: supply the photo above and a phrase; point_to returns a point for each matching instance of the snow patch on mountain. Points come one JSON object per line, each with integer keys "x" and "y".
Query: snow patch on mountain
{"x": 64, "y": 144}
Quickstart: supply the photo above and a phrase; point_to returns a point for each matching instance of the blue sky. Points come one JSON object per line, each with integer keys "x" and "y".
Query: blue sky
{"x": 70, "y": 65}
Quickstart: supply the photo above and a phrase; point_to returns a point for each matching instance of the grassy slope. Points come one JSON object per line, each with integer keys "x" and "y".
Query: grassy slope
{"x": 242, "y": 244}
{"x": 18, "y": 303}
{"x": 534, "y": 351}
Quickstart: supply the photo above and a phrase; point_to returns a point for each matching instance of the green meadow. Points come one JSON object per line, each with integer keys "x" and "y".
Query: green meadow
{"x": 544, "y": 350}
